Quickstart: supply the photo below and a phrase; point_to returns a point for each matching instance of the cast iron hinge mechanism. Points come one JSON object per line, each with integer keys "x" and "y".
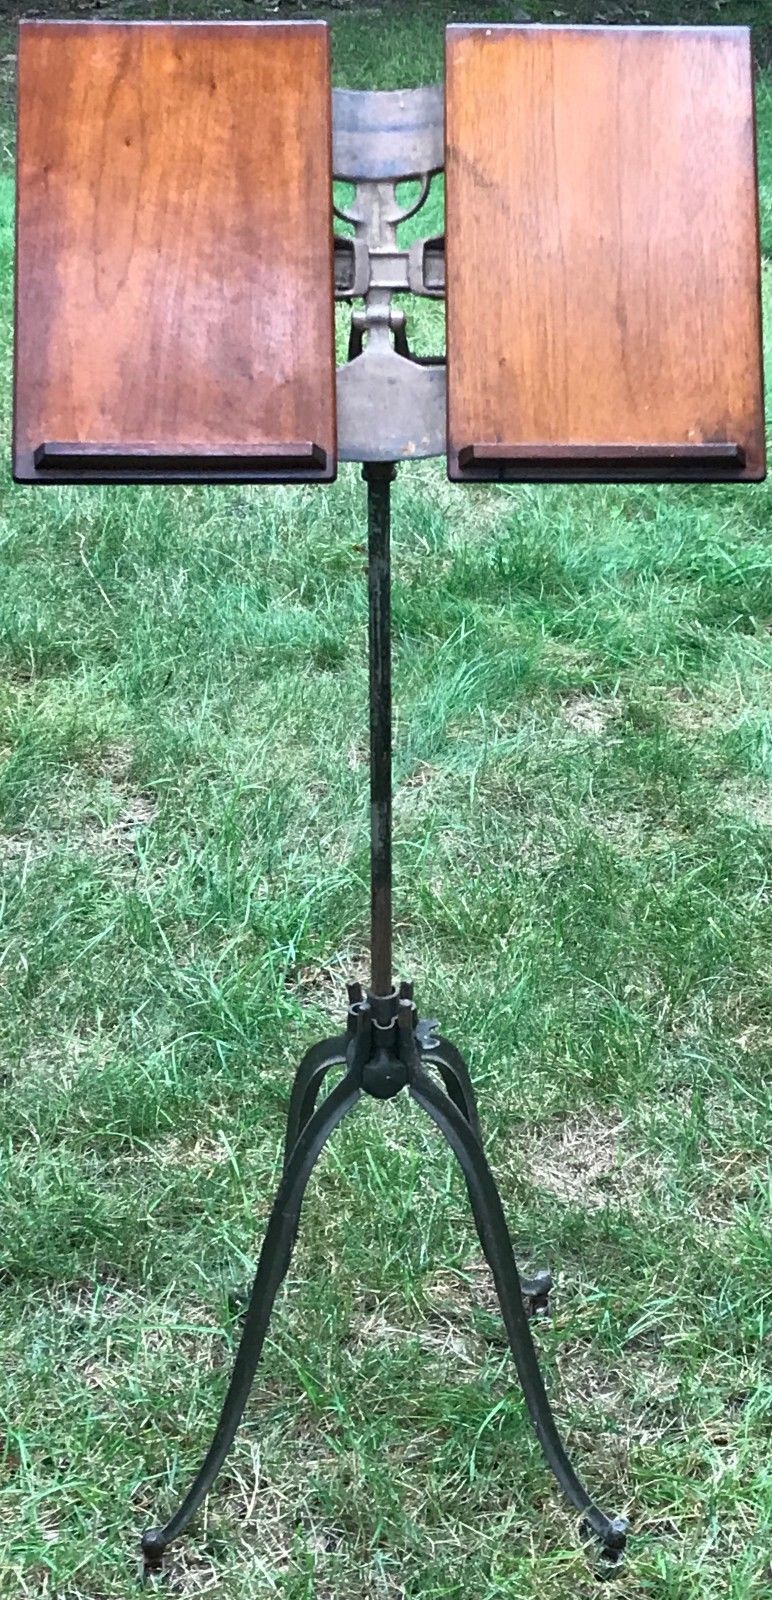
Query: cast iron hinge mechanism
{"x": 391, "y": 403}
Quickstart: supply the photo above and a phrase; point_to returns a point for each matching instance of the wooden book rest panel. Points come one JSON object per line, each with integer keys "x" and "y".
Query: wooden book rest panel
{"x": 603, "y": 276}
{"x": 174, "y": 253}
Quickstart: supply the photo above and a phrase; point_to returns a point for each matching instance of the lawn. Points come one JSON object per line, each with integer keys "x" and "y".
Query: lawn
{"x": 583, "y": 759}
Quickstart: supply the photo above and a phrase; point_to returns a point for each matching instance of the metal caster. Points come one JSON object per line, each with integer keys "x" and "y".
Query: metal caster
{"x": 536, "y": 1294}
{"x": 609, "y": 1546}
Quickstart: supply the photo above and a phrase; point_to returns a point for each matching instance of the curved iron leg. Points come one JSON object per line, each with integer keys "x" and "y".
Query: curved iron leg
{"x": 455, "y": 1075}
{"x": 308, "y": 1082}
{"x": 271, "y": 1269}
{"x": 494, "y": 1237}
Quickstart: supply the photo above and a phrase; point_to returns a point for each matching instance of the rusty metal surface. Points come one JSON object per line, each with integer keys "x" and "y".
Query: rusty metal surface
{"x": 379, "y": 479}
{"x": 391, "y": 405}
{"x": 387, "y": 133}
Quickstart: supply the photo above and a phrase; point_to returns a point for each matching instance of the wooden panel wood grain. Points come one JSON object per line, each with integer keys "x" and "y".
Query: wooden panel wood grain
{"x": 603, "y": 276}
{"x": 174, "y": 253}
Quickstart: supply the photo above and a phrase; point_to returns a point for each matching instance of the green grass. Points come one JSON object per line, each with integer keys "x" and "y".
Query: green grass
{"x": 584, "y": 860}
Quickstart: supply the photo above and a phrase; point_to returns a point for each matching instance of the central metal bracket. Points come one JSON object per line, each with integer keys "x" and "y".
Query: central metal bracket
{"x": 391, "y": 404}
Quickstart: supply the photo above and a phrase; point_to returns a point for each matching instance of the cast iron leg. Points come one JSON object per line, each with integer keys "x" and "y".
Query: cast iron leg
{"x": 272, "y": 1267}
{"x": 306, "y": 1089}
{"x": 494, "y": 1237}
{"x": 307, "y": 1085}
{"x": 455, "y": 1075}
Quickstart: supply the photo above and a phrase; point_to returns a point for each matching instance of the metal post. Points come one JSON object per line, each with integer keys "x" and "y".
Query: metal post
{"x": 384, "y": 1047}
{"x": 379, "y": 476}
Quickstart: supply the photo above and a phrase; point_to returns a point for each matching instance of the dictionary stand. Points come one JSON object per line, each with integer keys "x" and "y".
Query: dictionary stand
{"x": 176, "y": 278}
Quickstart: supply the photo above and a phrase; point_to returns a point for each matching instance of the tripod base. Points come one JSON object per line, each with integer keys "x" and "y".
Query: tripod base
{"x": 386, "y": 1049}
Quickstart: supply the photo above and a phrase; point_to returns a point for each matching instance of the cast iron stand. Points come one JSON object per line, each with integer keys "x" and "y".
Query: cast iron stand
{"x": 386, "y": 1049}
{"x": 390, "y": 407}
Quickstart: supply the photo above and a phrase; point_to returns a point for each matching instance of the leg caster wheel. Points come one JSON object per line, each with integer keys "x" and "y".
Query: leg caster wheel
{"x": 609, "y": 1542}
{"x": 237, "y": 1301}
{"x": 536, "y": 1294}
{"x": 153, "y": 1547}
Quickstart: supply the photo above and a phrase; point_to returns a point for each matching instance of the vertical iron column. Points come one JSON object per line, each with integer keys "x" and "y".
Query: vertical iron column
{"x": 379, "y": 476}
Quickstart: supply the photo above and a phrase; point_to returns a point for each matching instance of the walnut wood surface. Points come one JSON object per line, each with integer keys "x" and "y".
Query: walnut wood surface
{"x": 178, "y": 461}
{"x": 603, "y": 278}
{"x": 174, "y": 251}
